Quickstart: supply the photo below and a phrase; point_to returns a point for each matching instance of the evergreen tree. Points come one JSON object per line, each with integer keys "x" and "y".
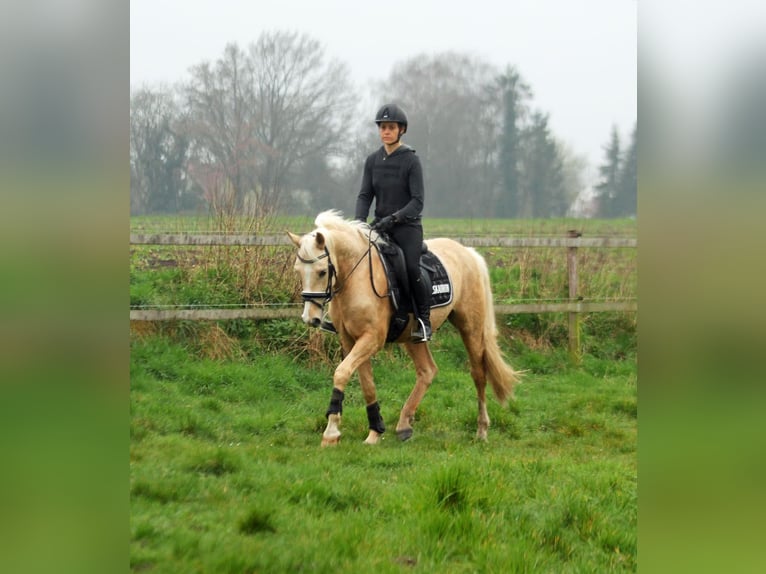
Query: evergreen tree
{"x": 542, "y": 189}
{"x": 165, "y": 170}
{"x": 627, "y": 190}
{"x": 158, "y": 153}
{"x": 607, "y": 189}
{"x": 514, "y": 94}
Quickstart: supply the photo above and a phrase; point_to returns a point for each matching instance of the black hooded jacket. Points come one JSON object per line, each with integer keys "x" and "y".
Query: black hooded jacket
{"x": 395, "y": 182}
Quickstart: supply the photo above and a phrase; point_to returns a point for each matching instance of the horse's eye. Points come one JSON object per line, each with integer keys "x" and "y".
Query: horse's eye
{"x": 322, "y": 273}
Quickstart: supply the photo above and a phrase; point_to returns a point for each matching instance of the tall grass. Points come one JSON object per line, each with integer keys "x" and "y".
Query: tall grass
{"x": 227, "y": 474}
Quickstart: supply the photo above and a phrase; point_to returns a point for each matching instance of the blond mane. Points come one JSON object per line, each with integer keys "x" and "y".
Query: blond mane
{"x": 333, "y": 220}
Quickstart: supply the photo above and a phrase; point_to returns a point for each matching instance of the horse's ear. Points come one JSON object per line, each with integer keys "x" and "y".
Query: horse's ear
{"x": 320, "y": 240}
{"x": 294, "y": 238}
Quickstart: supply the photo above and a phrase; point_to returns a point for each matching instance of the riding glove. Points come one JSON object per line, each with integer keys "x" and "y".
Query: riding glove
{"x": 384, "y": 224}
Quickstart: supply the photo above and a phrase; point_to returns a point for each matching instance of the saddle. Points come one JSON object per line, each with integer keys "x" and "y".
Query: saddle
{"x": 433, "y": 273}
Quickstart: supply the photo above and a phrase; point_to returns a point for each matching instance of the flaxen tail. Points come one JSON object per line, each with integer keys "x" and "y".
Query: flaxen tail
{"x": 501, "y": 376}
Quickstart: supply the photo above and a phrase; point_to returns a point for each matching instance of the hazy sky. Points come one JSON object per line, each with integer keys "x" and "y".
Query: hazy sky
{"x": 578, "y": 56}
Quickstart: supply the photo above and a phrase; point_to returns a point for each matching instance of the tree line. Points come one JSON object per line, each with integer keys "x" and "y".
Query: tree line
{"x": 616, "y": 192}
{"x": 279, "y": 127}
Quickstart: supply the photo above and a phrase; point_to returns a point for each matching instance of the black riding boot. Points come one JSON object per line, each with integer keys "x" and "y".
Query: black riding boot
{"x": 422, "y": 332}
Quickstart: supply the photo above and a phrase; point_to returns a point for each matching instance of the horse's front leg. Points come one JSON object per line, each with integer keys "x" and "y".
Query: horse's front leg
{"x": 361, "y": 351}
{"x": 374, "y": 418}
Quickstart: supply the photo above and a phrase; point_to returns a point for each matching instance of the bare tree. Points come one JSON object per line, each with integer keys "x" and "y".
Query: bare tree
{"x": 259, "y": 115}
{"x": 220, "y": 123}
{"x": 446, "y": 99}
{"x": 304, "y": 104}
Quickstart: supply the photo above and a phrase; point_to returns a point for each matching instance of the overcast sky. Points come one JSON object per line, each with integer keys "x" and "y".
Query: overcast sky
{"x": 578, "y": 56}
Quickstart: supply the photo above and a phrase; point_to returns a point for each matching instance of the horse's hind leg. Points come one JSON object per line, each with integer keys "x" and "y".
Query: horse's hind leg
{"x": 483, "y": 419}
{"x": 474, "y": 344}
{"x": 425, "y": 371}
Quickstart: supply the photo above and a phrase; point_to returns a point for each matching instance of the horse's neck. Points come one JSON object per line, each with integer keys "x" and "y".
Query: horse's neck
{"x": 349, "y": 250}
{"x": 351, "y": 265}
{"x": 354, "y": 268}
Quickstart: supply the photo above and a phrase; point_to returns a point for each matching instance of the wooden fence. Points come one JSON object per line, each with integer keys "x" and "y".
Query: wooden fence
{"x": 572, "y": 242}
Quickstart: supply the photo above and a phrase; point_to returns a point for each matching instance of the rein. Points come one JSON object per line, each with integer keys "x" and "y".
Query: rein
{"x": 372, "y": 279}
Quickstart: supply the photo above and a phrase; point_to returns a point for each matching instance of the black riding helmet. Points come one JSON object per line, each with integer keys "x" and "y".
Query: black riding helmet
{"x": 392, "y": 113}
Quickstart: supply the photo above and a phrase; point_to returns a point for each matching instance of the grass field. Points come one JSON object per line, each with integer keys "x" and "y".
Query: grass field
{"x": 227, "y": 474}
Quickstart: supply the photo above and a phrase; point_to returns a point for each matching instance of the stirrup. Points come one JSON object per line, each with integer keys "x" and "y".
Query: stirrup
{"x": 421, "y": 334}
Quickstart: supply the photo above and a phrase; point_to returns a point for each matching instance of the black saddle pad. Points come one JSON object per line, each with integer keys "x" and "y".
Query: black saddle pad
{"x": 441, "y": 283}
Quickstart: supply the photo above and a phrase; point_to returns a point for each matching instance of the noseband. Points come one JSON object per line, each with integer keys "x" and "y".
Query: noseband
{"x": 324, "y": 296}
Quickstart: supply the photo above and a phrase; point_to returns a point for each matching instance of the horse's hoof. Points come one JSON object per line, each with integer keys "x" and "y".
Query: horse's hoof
{"x": 404, "y": 434}
{"x": 332, "y": 441}
{"x": 373, "y": 438}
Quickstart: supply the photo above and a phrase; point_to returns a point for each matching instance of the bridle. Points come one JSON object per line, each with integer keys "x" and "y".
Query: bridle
{"x": 322, "y": 298}
{"x": 326, "y": 295}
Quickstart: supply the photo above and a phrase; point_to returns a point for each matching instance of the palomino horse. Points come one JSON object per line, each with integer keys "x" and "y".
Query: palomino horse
{"x": 336, "y": 263}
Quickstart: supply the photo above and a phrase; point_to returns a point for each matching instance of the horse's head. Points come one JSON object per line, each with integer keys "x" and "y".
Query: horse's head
{"x": 316, "y": 272}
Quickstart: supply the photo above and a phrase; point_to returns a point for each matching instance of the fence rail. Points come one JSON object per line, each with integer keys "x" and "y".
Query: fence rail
{"x": 294, "y": 312}
{"x": 574, "y": 307}
{"x": 240, "y": 239}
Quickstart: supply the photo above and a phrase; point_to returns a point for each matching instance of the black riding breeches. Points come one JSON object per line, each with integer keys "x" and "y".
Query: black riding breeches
{"x": 410, "y": 239}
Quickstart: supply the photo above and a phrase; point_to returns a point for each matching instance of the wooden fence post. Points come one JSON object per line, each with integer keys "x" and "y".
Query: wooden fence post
{"x": 574, "y": 316}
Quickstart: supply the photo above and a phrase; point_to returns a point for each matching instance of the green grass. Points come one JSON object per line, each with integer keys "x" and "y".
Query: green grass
{"x": 226, "y": 472}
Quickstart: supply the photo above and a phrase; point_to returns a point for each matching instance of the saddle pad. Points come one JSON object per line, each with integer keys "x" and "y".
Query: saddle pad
{"x": 441, "y": 283}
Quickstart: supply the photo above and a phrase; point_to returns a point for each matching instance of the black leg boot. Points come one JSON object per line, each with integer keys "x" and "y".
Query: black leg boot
{"x": 422, "y": 332}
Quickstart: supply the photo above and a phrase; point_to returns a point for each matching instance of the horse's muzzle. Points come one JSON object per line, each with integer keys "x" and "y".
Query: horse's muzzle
{"x": 315, "y": 322}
